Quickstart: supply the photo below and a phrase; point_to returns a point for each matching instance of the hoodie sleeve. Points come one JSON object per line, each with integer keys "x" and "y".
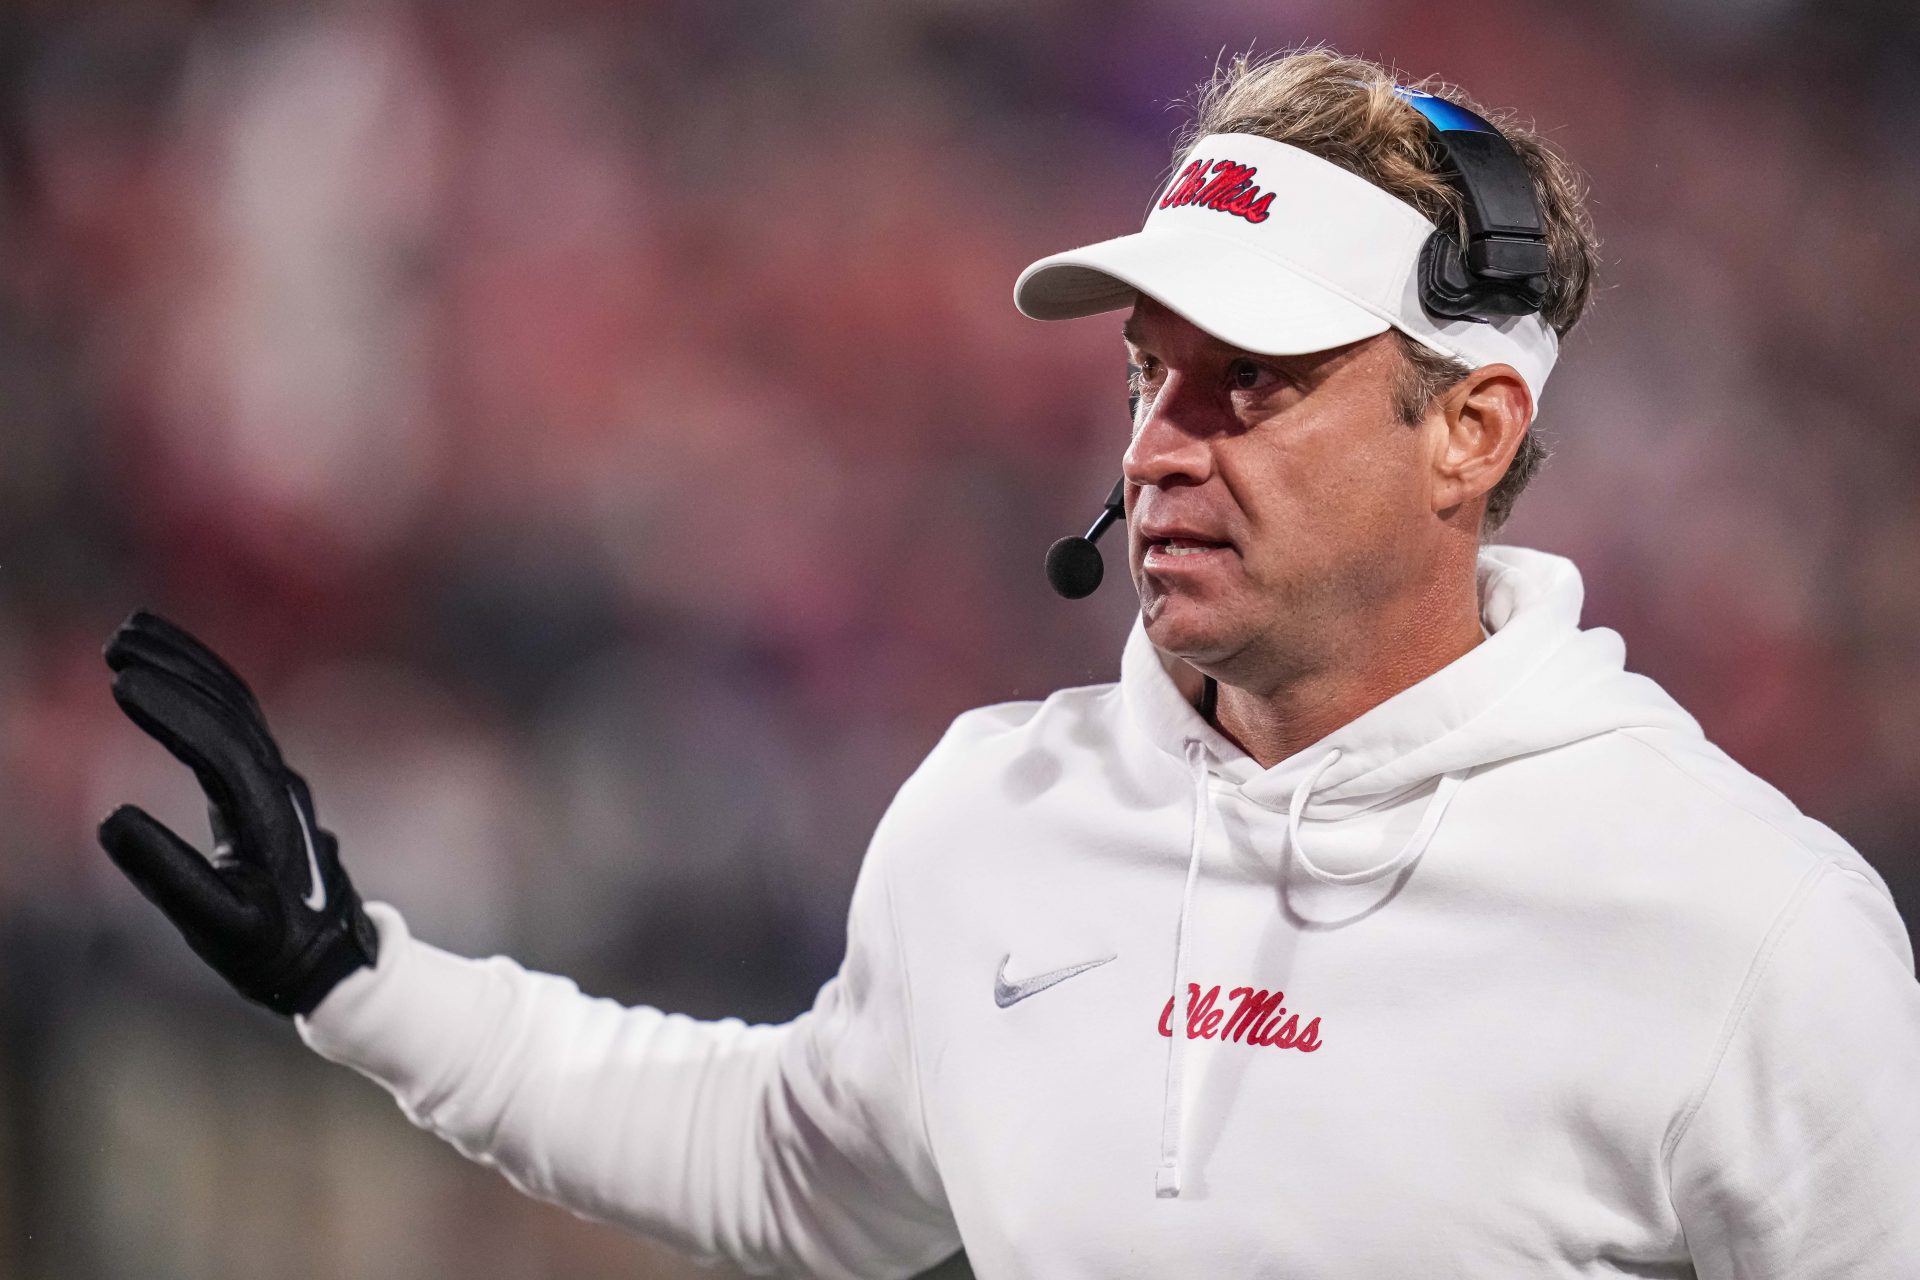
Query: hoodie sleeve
{"x": 796, "y": 1148}
{"x": 1802, "y": 1159}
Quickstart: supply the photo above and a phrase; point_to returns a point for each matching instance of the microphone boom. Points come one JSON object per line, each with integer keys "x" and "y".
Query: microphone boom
{"x": 1074, "y": 566}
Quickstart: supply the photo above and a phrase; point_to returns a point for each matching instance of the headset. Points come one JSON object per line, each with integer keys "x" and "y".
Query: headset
{"x": 1501, "y": 272}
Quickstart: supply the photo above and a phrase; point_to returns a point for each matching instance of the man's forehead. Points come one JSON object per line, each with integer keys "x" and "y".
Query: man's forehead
{"x": 1151, "y": 320}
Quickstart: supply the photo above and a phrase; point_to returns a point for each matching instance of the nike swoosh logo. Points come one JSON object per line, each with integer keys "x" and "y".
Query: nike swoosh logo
{"x": 316, "y": 896}
{"x": 1007, "y": 994}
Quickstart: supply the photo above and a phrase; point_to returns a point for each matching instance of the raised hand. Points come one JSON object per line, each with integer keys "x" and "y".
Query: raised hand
{"x": 272, "y": 910}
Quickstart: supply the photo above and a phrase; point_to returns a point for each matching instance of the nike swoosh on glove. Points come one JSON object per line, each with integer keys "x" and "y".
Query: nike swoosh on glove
{"x": 272, "y": 910}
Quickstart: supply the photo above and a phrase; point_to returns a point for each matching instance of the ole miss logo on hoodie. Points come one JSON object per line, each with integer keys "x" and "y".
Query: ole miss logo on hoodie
{"x": 1222, "y": 185}
{"x": 1256, "y": 1017}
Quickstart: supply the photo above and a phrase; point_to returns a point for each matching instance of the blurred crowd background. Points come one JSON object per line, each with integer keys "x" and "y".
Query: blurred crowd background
{"x": 603, "y": 435}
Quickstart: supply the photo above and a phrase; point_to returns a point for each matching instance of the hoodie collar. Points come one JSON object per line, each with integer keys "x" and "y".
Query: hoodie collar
{"x": 1462, "y": 715}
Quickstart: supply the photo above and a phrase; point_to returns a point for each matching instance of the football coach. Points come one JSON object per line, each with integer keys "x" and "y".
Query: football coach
{"x": 1376, "y": 923}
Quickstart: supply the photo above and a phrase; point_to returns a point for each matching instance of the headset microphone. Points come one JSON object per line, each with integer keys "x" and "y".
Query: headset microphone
{"x": 1074, "y": 566}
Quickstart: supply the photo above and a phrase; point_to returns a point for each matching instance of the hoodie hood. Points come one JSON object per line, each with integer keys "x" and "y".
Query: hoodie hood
{"x": 1538, "y": 681}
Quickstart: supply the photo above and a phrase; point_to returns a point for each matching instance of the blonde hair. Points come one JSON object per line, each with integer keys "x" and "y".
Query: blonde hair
{"x": 1345, "y": 111}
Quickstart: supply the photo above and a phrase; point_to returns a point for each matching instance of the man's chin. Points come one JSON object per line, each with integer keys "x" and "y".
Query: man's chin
{"x": 1191, "y": 629}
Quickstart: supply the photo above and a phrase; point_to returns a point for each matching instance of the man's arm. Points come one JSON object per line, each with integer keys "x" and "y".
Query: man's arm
{"x": 1803, "y": 1157}
{"x": 797, "y": 1148}
{"x": 792, "y": 1149}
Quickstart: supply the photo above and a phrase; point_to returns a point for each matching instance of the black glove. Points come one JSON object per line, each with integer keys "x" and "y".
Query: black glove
{"x": 272, "y": 911}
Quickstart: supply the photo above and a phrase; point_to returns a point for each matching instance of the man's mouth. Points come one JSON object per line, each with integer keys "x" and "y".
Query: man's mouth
{"x": 1182, "y": 549}
{"x": 1183, "y": 546}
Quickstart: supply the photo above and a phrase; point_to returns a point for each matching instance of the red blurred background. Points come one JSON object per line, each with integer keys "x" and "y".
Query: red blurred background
{"x": 603, "y": 434}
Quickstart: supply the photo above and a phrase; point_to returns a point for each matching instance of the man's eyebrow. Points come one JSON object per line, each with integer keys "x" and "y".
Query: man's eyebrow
{"x": 1304, "y": 365}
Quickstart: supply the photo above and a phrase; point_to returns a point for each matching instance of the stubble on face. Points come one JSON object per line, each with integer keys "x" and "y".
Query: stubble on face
{"x": 1320, "y": 488}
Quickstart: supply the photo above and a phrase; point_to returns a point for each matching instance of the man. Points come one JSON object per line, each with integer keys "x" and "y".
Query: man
{"x": 1376, "y": 923}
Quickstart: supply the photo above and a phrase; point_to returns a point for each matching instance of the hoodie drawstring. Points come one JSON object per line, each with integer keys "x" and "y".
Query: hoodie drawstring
{"x": 1166, "y": 1180}
{"x": 1415, "y": 846}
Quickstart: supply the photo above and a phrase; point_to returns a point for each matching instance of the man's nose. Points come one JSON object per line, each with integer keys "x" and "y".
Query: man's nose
{"x": 1172, "y": 444}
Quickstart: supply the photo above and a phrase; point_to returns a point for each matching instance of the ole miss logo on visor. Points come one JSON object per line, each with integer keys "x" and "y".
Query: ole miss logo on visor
{"x": 1221, "y": 185}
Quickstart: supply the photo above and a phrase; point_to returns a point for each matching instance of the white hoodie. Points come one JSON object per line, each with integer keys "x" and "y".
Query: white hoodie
{"x": 1514, "y": 975}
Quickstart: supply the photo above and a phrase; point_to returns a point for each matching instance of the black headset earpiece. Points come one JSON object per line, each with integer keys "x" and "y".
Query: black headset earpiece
{"x": 1502, "y": 270}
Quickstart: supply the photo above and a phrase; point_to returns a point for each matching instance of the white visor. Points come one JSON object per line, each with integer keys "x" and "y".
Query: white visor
{"x": 1273, "y": 250}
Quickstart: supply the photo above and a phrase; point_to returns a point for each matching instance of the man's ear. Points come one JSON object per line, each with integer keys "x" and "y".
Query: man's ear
{"x": 1483, "y": 419}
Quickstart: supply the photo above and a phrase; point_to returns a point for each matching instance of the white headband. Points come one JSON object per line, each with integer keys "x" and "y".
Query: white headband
{"x": 1273, "y": 250}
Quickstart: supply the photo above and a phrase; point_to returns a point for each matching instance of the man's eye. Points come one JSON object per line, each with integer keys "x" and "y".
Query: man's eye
{"x": 1142, "y": 379}
{"x": 1249, "y": 375}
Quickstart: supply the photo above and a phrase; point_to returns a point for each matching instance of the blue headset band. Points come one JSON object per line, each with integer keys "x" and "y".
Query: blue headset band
{"x": 1448, "y": 117}
{"x": 1506, "y": 238}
